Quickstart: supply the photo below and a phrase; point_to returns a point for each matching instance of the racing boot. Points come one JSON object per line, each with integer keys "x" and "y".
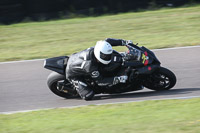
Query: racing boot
{"x": 83, "y": 90}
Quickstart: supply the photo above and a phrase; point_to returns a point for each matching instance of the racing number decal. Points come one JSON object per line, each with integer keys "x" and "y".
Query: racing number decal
{"x": 145, "y": 58}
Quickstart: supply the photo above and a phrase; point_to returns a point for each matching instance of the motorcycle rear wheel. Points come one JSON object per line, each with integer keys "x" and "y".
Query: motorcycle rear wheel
{"x": 162, "y": 79}
{"x": 52, "y": 82}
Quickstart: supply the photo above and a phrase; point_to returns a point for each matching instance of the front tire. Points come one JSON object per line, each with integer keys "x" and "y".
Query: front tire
{"x": 52, "y": 82}
{"x": 162, "y": 79}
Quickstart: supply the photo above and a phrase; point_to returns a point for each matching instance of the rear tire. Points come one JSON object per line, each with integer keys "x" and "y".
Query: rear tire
{"x": 52, "y": 81}
{"x": 162, "y": 79}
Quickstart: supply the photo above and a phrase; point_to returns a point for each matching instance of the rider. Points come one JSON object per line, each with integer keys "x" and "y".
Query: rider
{"x": 88, "y": 63}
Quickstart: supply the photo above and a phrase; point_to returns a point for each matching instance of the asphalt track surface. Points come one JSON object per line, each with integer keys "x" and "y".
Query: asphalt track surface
{"x": 23, "y": 84}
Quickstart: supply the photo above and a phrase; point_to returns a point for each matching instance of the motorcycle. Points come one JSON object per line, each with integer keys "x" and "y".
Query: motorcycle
{"x": 145, "y": 72}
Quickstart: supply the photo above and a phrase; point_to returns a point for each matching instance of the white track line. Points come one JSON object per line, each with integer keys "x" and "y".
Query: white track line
{"x": 186, "y": 47}
{"x": 9, "y": 62}
{"x": 23, "y": 111}
{"x": 175, "y": 48}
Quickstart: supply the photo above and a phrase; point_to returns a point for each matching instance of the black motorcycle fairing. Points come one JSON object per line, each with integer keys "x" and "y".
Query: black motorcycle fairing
{"x": 144, "y": 58}
{"x": 147, "y": 69}
{"x": 152, "y": 55}
{"x": 57, "y": 64}
{"x": 134, "y": 64}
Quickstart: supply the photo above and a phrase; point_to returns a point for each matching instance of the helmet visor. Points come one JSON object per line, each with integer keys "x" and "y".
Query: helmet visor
{"x": 106, "y": 57}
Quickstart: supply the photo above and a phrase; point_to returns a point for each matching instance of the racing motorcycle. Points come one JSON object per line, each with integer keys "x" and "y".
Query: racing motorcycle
{"x": 146, "y": 71}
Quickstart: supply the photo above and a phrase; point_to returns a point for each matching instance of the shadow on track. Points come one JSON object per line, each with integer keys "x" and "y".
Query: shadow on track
{"x": 148, "y": 94}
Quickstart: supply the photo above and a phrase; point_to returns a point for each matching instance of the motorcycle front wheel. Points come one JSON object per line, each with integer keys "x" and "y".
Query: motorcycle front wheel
{"x": 162, "y": 79}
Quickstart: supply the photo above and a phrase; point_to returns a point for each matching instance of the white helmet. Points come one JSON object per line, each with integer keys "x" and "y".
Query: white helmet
{"x": 103, "y": 52}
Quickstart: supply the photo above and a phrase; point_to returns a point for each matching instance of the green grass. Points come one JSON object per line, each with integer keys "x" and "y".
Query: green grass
{"x": 154, "y": 29}
{"x": 166, "y": 116}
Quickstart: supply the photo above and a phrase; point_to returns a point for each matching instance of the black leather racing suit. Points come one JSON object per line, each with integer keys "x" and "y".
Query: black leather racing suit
{"x": 84, "y": 64}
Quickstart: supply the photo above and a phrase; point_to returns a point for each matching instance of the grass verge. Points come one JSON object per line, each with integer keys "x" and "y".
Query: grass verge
{"x": 154, "y": 29}
{"x": 179, "y": 116}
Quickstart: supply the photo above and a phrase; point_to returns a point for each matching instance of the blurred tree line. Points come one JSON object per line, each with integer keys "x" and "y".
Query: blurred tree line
{"x": 13, "y": 11}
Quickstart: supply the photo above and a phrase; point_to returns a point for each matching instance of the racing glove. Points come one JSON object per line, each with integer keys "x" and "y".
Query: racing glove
{"x": 125, "y": 42}
{"x": 120, "y": 79}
